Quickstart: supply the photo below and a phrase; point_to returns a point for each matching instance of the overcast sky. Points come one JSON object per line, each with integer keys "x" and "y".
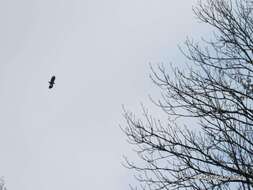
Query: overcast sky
{"x": 68, "y": 137}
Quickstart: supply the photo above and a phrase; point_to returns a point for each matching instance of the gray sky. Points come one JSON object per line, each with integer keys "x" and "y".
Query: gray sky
{"x": 68, "y": 137}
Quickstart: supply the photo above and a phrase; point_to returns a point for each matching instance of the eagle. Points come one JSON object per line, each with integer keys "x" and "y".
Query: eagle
{"x": 51, "y": 82}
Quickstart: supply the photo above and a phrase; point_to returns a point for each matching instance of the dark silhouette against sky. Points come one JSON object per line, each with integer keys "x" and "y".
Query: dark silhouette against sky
{"x": 51, "y": 82}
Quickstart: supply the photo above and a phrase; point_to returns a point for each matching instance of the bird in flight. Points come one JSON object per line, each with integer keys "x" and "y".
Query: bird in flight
{"x": 51, "y": 82}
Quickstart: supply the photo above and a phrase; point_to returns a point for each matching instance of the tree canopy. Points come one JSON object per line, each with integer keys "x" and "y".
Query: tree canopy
{"x": 217, "y": 92}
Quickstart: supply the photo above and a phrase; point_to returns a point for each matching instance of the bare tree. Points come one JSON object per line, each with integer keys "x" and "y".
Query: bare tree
{"x": 2, "y": 184}
{"x": 215, "y": 96}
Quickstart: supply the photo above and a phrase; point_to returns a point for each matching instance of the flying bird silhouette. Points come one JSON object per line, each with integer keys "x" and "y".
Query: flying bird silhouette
{"x": 51, "y": 82}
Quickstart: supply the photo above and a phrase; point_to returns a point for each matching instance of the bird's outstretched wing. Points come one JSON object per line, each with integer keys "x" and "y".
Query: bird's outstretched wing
{"x": 52, "y": 79}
